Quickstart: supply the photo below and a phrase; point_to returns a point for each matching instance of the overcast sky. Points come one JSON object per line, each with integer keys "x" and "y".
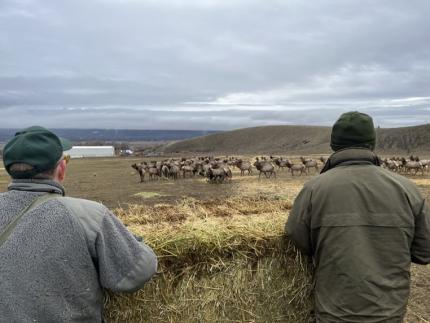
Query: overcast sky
{"x": 212, "y": 64}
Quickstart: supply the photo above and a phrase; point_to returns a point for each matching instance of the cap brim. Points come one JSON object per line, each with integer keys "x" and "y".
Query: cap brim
{"x": 65, "y": 143}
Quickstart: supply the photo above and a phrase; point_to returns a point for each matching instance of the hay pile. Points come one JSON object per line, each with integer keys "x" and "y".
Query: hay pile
{"x": 219, "y": 261}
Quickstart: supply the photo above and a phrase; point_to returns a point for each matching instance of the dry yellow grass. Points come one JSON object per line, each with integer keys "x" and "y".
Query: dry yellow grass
{"x": 219, "y": 261}
{"x": 147, "y": 195}
{"x": 422, "y": 181}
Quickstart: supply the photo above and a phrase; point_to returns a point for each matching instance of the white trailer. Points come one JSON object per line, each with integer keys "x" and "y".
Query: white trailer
{"x": 90, "y": 151}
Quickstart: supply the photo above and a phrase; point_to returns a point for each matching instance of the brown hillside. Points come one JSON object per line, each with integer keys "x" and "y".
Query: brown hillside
{"x": 408, "y": 140}
{"x": 300, "y": 140}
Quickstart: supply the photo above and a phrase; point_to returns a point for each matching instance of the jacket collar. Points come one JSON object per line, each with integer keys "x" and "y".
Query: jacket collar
{"x": 351, "y": 156}
{"x": 36, "y": 185}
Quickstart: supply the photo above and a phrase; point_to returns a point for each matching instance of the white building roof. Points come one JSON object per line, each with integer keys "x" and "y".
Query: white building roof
{"x": 90, "y": 151}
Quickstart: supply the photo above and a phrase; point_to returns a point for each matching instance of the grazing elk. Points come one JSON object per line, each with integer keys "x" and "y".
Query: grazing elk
{"x": 218, "y": 175}
{"x": 141, "y": 171}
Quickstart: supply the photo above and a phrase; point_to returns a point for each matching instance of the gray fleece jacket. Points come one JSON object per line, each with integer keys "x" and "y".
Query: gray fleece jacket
{"x": 62, "y": 254}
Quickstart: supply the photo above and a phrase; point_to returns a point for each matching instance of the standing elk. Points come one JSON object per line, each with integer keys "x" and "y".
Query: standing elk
{"x": 425, "y": 163}
{"x": 187, "y": 169}
{"x": 309, "y": 163}
{"x": 265, "y": 167}
{"x": 280, "y": 162}
{"x": 205, "y": 168}
{"x": 153, "y": 173}
{"x": 408, "y": 166}
{"x": 390, "y": 164}
{"x": 174, "y": 171}
{"x": 243, "y": 166}
{"x": 296, "y": 168}
{"x": 164, "y": 171}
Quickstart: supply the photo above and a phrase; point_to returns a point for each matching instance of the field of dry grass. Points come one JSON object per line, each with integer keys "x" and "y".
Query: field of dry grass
{"x": 213, "y": 239}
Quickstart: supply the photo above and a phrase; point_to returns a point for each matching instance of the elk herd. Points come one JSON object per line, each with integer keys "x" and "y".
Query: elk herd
{"x": 218, "y": 170}
{"x": 410, "y": 165}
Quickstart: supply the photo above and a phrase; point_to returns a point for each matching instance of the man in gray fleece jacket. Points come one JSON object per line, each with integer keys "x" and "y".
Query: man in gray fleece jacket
{"x": 58, "y": 253}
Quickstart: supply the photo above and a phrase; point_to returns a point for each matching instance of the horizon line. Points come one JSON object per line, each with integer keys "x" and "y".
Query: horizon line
{"x": 209, "y": 130}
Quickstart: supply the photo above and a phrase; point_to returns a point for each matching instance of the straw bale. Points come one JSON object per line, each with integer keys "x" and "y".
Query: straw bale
{"x": 237, "y": 267}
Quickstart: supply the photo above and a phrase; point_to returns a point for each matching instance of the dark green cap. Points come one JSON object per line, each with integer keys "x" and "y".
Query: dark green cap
{"x": 35, "y": 146}
{"x": 353, "y": 129}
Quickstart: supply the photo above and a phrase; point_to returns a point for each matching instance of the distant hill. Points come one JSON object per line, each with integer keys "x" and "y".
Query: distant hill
{"x": 406, "y": 140}
{"x": 300, "y": 140}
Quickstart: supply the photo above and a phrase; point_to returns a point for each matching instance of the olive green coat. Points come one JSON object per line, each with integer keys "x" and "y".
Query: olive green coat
{"x": 362, "y": 225}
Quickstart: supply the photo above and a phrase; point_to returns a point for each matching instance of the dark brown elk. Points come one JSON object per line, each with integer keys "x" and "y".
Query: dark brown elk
{"x": 265, "y": 167}
{"x": 243, "y": 166}
{"x": 140, "y": 169}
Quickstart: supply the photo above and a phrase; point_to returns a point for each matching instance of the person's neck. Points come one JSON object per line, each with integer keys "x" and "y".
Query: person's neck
{"x": 37, "y": 185}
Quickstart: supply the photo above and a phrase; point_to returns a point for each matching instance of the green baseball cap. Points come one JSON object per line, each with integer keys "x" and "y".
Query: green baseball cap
{"x": 353, "y": 129}
{"x": 35, "y": 146}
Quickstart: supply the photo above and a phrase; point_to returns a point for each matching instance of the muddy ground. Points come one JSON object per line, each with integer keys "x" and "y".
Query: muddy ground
{"x": 113, "y": 182}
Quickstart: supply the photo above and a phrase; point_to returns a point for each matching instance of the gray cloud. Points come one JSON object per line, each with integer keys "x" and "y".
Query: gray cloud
{"x": 223, "y": 119}
{"x": 179, "y": 64}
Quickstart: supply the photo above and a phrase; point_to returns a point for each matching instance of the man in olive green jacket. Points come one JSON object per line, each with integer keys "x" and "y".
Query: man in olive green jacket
{"x": 362, "y": 225}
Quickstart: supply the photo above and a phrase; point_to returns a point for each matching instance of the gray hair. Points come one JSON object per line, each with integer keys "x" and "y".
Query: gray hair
{"x": 22, "y": 167}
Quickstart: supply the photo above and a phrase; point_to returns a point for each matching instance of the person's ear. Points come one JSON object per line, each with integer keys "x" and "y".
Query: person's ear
{"x": 60, "y": 172}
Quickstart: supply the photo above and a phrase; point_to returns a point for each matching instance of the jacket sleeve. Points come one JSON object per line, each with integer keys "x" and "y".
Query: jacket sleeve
{"x": 297, "y": 227}
{"x": 420, "y": 250}
{"x": 124, "y": 263}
